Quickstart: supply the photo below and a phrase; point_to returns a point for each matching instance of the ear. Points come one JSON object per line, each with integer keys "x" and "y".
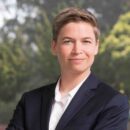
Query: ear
{"x": 97, "y": 47}
{"x": 53, "y": 48}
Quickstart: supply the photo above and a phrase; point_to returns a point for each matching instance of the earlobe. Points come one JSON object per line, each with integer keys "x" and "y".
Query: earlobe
{"x": 53, "y": 48}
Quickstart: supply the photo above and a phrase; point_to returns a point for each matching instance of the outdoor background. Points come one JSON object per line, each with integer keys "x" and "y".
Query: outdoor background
{"x": 25, "y": 36}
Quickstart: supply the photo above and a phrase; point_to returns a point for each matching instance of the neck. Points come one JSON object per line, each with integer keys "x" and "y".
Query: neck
{"x": 69, "y": 81}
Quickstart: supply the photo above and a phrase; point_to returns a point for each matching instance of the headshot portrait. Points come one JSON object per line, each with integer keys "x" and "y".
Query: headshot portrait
{"x": 78, "y": 99}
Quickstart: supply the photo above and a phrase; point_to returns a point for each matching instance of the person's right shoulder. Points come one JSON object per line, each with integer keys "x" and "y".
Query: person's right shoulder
{"x": 38, "y": 92}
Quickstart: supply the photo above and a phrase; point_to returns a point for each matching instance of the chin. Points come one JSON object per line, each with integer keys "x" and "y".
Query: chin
{"x": 79, "y": 71}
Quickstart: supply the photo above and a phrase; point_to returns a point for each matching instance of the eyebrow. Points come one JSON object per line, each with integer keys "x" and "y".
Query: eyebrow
{"x": 67, "y": 38}
{"x": 84, "y": 38}
{"x": 89, "y": 38}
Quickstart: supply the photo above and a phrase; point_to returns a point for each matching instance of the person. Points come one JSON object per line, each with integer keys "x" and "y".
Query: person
{"x": 78, "y": 100}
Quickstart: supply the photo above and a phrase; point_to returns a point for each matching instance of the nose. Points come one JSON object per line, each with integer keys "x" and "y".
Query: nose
{"x": 77, "y": 48}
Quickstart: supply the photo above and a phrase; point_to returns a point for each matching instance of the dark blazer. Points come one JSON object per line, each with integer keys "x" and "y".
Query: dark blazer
{"x": 96, "y": 106}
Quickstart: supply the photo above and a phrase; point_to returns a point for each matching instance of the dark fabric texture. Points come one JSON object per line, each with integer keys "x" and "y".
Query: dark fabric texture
{"x": 96, "y": 106}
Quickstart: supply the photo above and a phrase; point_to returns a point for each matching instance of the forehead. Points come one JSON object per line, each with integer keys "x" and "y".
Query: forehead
{"x": 74, "y": 29}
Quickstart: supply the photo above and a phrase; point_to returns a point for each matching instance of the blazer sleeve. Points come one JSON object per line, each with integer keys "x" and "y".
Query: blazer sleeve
{"x": 17, "y": 122}
{"x": 114, "y": 115}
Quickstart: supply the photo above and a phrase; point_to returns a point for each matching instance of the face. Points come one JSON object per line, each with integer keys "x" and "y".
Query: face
{"x": 75, "y": 47}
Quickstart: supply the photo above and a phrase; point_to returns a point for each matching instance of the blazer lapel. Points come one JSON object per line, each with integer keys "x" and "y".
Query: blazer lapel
{"x": 84, "y": 94}
{"x": 47, "y": 99}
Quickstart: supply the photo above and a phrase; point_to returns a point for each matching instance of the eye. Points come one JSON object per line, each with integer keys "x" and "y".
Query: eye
{"x": 67, "y": 41}
{"x": 87, "y": 42}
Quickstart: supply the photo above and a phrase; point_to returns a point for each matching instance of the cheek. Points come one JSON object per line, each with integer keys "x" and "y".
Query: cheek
{"x": 64, "y": 51}
{"x": 61, "y": 54}
{"x": 89, "y": 52}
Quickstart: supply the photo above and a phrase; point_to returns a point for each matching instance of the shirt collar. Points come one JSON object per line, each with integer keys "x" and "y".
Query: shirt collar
{"x": 70, "y": 93}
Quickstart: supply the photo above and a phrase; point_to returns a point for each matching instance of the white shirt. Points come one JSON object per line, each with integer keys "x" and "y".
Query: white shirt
{"x": 60, "y": 104}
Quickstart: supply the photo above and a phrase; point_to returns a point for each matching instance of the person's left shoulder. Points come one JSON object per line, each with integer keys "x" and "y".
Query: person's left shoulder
{"x": 113, "y": 107}
{"x": 114, "y": 96}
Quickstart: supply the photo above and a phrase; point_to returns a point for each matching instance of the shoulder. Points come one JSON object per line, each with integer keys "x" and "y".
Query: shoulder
{"x": 112, "y": 107}
{"x": 107, "y": 89}
{"x": 38, "y": 92}
{"x": 111, "y": 96}
{"x": 44, "y": 88}
{"x": 101, "y": 88}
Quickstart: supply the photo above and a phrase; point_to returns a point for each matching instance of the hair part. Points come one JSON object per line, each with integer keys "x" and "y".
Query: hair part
{"x": 73, "y": 14}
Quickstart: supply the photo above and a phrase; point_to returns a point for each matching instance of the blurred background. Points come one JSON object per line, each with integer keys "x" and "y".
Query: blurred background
{"x": 25, "y": 36}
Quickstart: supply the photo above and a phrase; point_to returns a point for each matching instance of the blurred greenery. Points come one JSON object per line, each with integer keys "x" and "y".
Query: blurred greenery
{"x": 113, "y": 62}
{"x": 25, "y": 57}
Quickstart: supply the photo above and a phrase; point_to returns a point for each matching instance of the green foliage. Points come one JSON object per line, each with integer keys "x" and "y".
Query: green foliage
{"x": 6, "y": 111}
{"x": 47, "y": 65}
{"x": 13, "y": 68}
{"x": 114, "y": 58}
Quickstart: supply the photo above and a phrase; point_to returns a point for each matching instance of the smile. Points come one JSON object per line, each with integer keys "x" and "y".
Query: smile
{"x": 76, "y": 60}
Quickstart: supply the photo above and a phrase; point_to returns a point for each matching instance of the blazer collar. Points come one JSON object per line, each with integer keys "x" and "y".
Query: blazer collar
{"x": 47, "y": 100}
{"x": 83, "y": 95}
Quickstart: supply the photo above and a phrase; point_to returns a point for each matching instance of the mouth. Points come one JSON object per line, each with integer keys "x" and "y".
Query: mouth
{"x": 76, "y": 60}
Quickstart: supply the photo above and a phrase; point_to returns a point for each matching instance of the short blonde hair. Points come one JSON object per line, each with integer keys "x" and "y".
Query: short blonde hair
{"x": 74, "y": 14}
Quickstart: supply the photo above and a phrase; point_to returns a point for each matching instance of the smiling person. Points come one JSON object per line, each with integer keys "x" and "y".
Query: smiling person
{"x": 78, "y": 100}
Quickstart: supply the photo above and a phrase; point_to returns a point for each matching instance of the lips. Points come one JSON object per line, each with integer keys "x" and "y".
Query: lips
{"x": 76, "y": 60}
